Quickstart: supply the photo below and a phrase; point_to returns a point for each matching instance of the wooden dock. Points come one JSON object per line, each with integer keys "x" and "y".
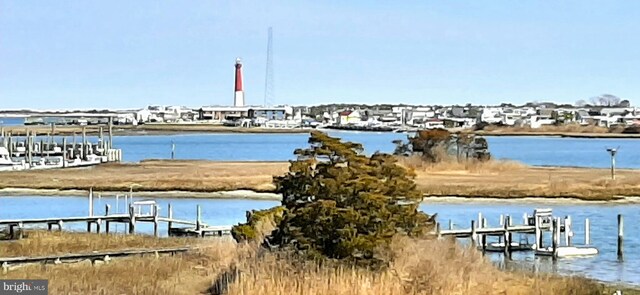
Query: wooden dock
{"x": 542, "y": 221}
{"x": 141, "y": 211}
{"x": 43, "y": 151}
{"x": 103, "y": 256}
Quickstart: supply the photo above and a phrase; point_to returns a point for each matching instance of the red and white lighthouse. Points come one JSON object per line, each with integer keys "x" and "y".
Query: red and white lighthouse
{"x": 238, "y": 96}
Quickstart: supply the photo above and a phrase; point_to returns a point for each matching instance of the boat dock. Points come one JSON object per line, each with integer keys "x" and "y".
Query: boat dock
{"x": 146, "y": 211}
{"x": 540, "y": 223}
{"x": 45, "y": 151}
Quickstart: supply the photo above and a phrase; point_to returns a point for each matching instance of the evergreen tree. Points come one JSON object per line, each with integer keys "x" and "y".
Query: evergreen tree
{"x": 342, "y": 204}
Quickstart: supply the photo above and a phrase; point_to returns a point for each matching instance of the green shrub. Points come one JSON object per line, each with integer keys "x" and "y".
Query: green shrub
{"x": 259, "y": 224}
{"x": 341, "y": 204}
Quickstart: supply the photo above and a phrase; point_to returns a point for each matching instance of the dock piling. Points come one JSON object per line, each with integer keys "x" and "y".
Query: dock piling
{"x": 450, "y": 224}
{"x": 169, "y": 223}
{"x": 474, "y": 236}
{"x": 438, "y": 230}
{"x": 620, "y": 237}
{"x": 483, "y": 241}
{"x": 587, "y": 234}
{"x": 506, "y": 236}
{"x": 106, "y": 213}
{"x": 110, "y": 145}
{"x": 64, "y": 152}
{"x": 155, "y": 220}
{"x": 198, "y": 216}
{"x": 568, "y": 233}
{"x": 554, "y": 238}
{"x": 132, "y": 220}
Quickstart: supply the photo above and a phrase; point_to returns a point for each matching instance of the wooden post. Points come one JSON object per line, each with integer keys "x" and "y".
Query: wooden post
{"x": 83, "y": 153}
{"x": 587, "y": 235}
{"x": 567, "y": 231}
{"x": 170, "y": 217}
{"x": 10, "y": 145}
{"x": 20, "y": 231}
{"x": 106, "y": 214}
{"x": 132, "y": 220}
{"x": 555, "y": 226}
{"x": 484, "y": 237}
{"x": 155, "y": 220}
{"x": 101, "y": 138}
{"x": 507, "y": 241}
{"x": 473, "y": 234}
{"x": 64, "y": 152}
{"x": 73, "y": 149}
{"x": 620, "y": 237}
{"x": 110, "y": 145}
{"x": 173, "y": 150}
{"x": 198, "y": 216}
{"x": 98, "y": 222}
{"x": 479, "y": 225}
{"x": 509, "y": 234}
{"x": 450, "y": 224}
{"x": 90, "y": 201}
{"x": 438, "y": 230}
{"x": 29, "y": 147}
{"x": 41, "y": 148}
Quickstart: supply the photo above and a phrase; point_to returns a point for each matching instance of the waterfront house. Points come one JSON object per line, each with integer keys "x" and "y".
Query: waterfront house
{"x": 349, "y": 117}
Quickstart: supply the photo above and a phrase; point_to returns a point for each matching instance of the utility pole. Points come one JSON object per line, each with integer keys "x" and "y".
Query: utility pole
{"x": 613, "y": 152}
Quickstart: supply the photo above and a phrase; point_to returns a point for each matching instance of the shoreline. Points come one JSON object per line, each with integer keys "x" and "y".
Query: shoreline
{"x": 270, "y": 196}
{"x": 155, "y": 129}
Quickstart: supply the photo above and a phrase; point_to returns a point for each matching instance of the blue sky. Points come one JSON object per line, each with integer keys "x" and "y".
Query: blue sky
{"x": 127, "y": 54}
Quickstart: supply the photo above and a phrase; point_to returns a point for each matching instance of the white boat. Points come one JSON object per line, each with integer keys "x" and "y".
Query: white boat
{"x": 5, "y": 159}
{"x": 6, "y": 163}
{"x": 568, "y": 251}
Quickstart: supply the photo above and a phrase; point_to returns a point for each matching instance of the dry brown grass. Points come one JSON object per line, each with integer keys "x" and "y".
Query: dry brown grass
{"x": 496, "y": 179}
{"x": 510, "y": 179}
{"x": 569, "y": 130}
{"x": 40, "y": 243}
{"x": 419, "y": 267}
{"x": 195, "y": 176}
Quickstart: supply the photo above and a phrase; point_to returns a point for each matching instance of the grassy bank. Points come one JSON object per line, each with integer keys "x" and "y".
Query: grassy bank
{"x": 494, "y": 179}
{"x": 40, "y": 243}
{"x": 570, "y": 130}
{"x": 419, "y": 267}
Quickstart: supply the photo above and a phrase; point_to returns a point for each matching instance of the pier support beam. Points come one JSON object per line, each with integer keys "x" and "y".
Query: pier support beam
{"x": 620, "y": 237}
{"x": 587, "y": 234}
{"x": 106, "y": 213}
{"x": 555, "y": 237}
{"x": 473, "y": 234}
{"x": 169, "y": 223}
{"x": 155, "y": 220}
{"x": 506, "y": 236}
{"x": 198, "y": 218}
{"x": 132, "y": 220}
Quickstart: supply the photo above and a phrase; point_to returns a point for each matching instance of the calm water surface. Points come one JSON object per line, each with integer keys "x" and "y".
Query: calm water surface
{"x": 604, "y": 266}
{"x": 549, "y": 151}
{"x": 539, "y": 151}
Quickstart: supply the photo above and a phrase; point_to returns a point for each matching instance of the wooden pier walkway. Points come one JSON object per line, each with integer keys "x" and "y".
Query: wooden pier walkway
{"x": 140, "y": 211}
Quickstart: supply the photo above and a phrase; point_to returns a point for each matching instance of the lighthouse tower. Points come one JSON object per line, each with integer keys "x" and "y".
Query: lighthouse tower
{"x": 238, "y": 96}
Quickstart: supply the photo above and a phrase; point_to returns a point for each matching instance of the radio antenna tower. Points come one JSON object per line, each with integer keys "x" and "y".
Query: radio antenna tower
{"x": 269, "y": 88}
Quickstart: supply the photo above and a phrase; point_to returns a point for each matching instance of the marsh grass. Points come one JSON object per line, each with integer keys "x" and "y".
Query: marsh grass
{"x": 418, "y": 267}
{"x": 41, "y": 243}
